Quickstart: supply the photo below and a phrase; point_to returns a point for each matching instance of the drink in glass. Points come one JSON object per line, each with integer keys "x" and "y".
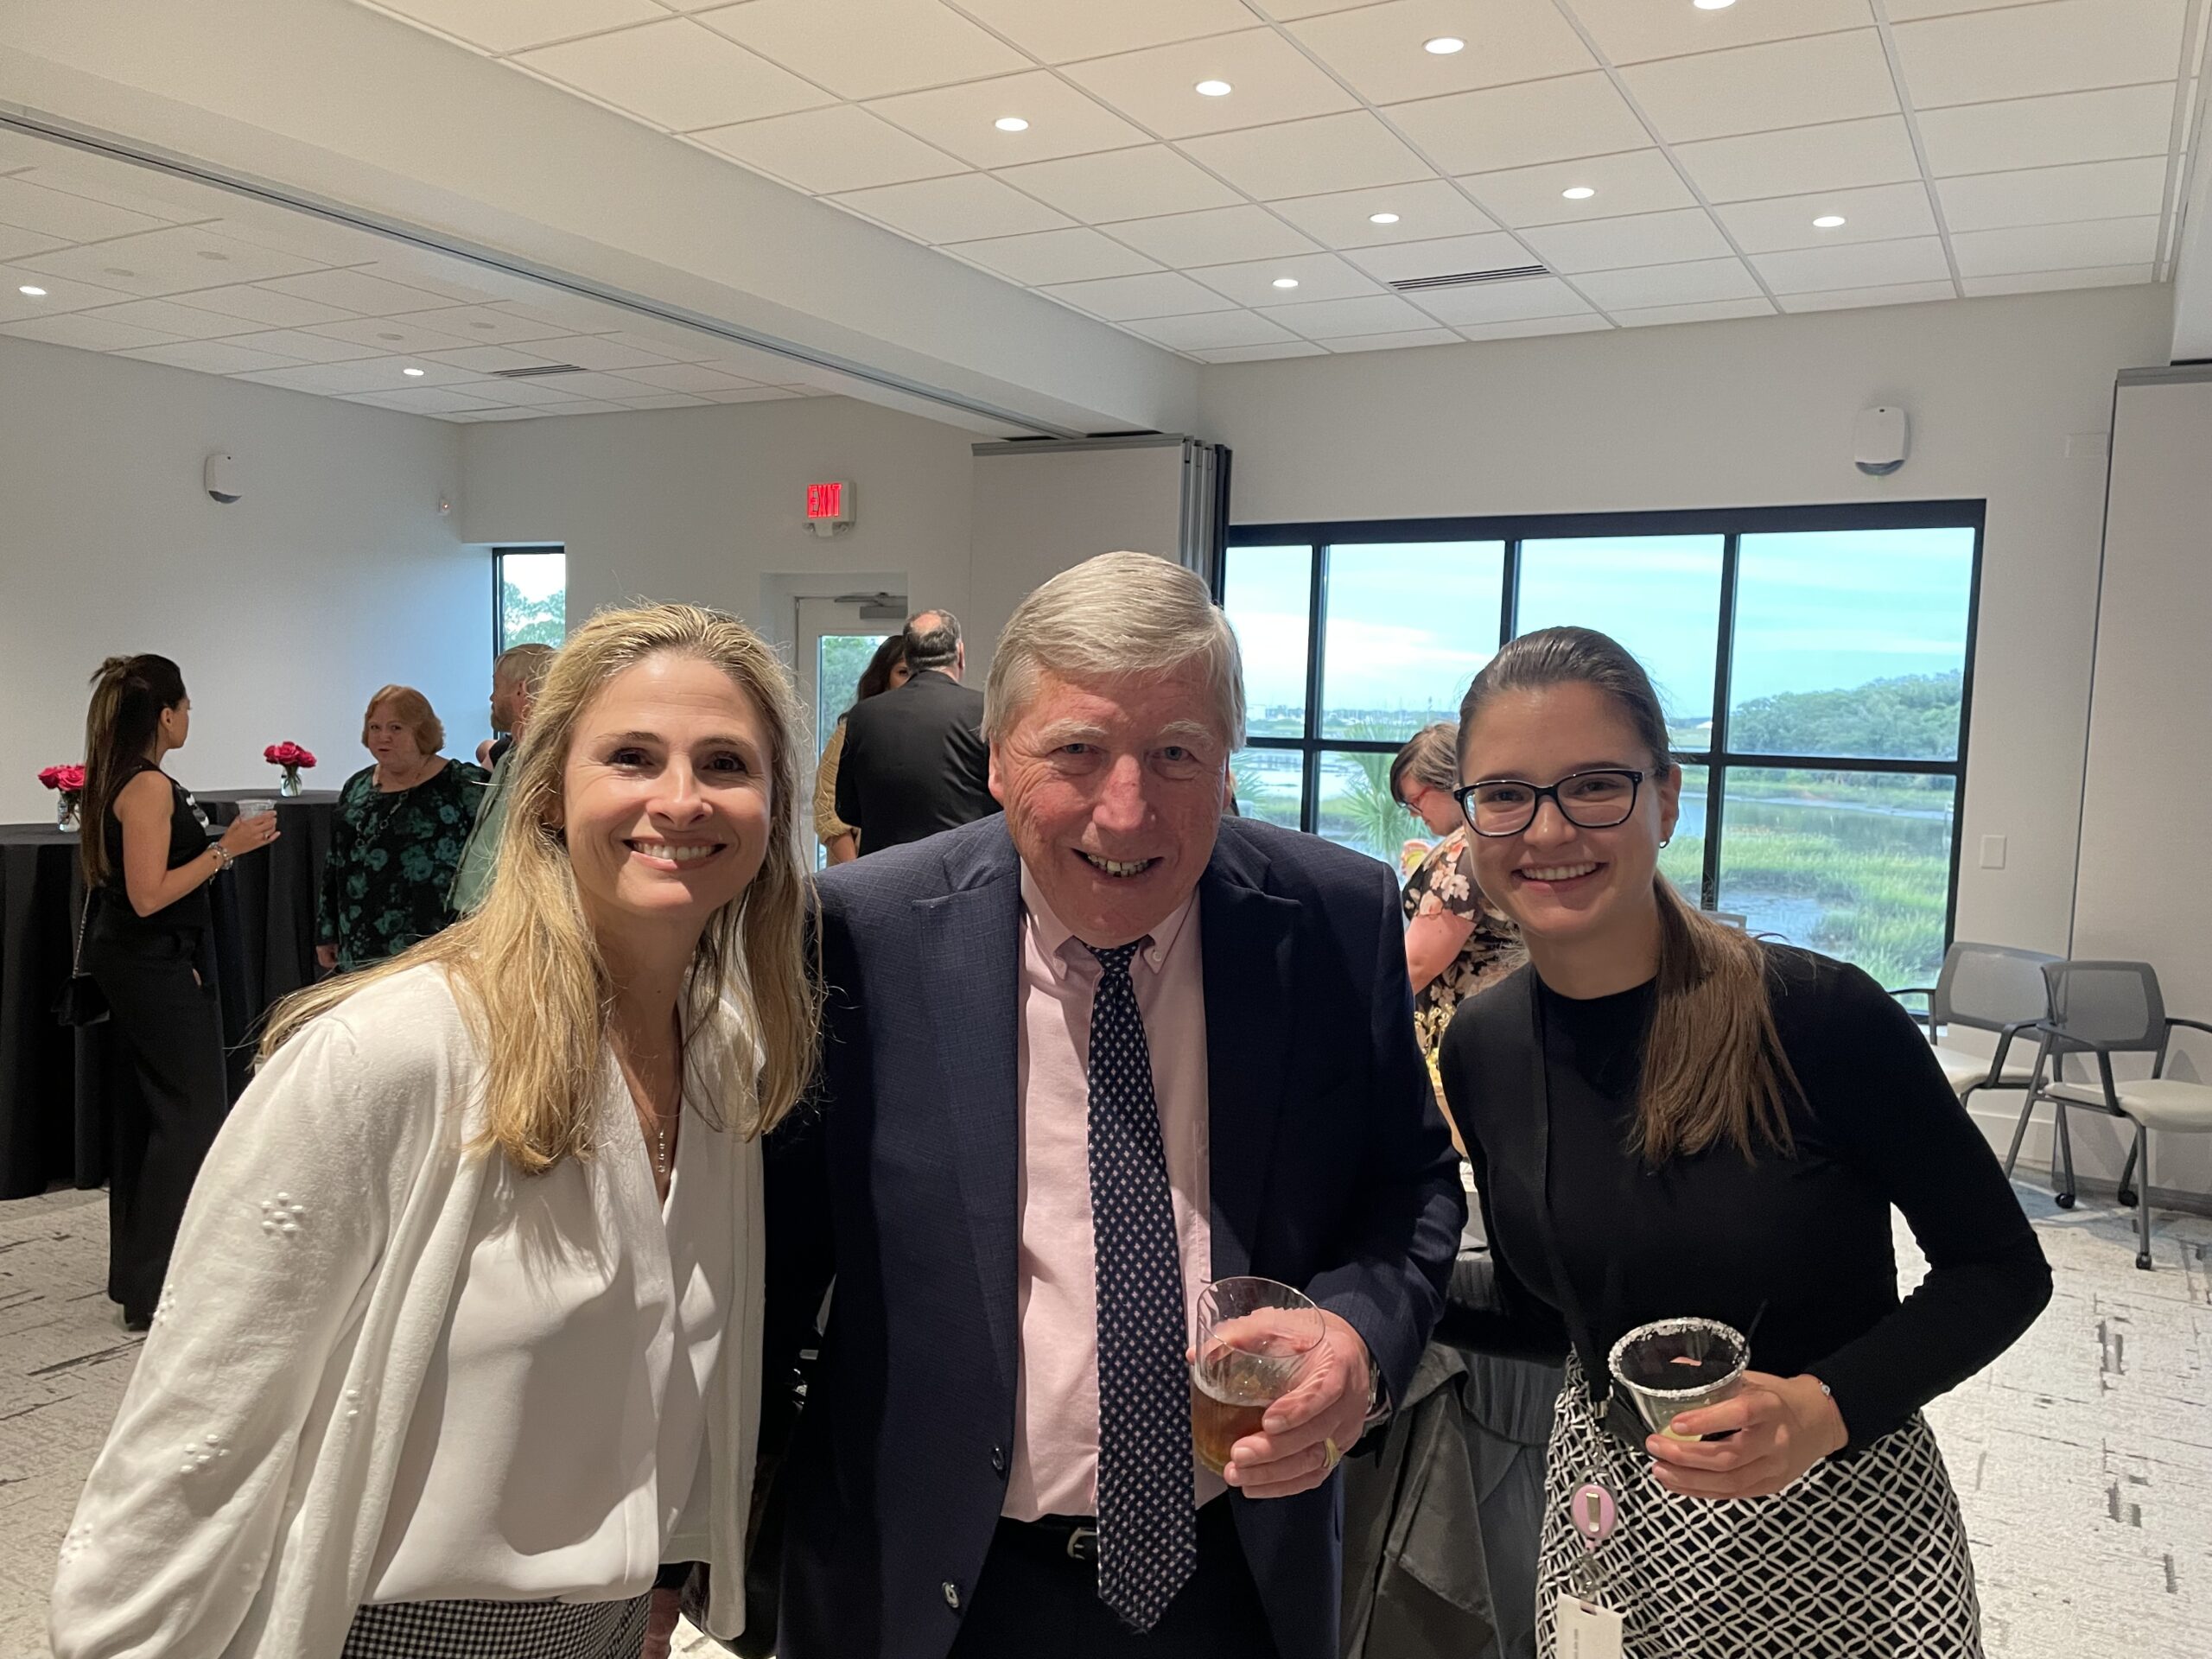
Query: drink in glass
{"x": 1250, "y": 1344}
{"x": 1677, "y": 1365}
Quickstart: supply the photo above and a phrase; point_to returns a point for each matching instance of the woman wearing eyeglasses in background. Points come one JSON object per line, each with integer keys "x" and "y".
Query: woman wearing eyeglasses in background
{"x": 1668, "y": 1117}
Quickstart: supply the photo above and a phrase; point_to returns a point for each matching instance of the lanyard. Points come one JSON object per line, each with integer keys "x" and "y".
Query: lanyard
{"x": 1595, "y": 1375}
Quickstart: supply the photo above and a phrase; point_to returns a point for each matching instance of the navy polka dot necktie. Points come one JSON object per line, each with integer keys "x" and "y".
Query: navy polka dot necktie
{"x": 1147, "y": 1529}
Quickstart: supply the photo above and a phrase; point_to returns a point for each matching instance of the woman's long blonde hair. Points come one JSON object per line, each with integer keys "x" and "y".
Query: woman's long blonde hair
{"x": 1713, "y": 1067}
{"x": 525, "y": 965}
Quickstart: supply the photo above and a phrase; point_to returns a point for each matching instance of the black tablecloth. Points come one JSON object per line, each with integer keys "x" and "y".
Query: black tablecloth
{"x": 53, "y": 1126}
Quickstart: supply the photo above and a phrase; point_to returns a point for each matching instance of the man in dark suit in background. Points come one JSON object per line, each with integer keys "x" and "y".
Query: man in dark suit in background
{"x": 914, "y": 760}
{"x": 1078, "y": 1061}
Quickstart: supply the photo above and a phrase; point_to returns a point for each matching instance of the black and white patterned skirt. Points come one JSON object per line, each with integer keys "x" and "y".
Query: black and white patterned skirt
{"x": 499, "y": 1630}
{"x": 1860, "y": 1558}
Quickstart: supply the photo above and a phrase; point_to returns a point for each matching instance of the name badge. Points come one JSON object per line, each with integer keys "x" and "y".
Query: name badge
{"x": 1586, "y": 1630}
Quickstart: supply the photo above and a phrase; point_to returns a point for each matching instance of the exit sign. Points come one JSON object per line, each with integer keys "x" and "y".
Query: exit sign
{"x": 832, "y": 501}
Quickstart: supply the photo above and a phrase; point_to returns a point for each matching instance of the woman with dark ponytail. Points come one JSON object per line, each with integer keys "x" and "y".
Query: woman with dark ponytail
{"x": 1671, "y": 1119}
{"x": 147, "y": 860}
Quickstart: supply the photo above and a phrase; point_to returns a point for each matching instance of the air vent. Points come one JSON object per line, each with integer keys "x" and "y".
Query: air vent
{"x": 1471, "y": 278}
{"x": 536, "y": 369}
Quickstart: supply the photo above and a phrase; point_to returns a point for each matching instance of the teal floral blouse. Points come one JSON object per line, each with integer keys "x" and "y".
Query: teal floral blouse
{"x": 392, "y": 859}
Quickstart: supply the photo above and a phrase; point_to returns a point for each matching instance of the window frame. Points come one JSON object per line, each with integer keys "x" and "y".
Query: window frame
{"x": 499, "y": 586}
{"x": 1731, "y": 525}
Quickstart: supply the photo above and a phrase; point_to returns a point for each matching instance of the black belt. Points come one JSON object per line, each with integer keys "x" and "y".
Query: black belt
{"x": 1071, "y": 1537}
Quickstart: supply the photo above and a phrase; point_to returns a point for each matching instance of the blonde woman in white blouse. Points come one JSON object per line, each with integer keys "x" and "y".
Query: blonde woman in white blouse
{"x": 460, "y": 1341}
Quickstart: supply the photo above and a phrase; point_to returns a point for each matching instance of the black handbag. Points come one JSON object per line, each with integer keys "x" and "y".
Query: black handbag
{"x": 82, "y": 1002}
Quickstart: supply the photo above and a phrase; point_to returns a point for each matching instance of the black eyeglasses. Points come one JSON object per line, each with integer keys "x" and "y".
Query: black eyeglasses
{"x": 1589, "y": 800}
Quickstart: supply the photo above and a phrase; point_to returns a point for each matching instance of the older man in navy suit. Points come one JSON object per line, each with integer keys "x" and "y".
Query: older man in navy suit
{"x": 1078, "y": 1061}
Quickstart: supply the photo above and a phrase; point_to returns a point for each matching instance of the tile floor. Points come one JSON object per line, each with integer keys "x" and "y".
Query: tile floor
{"x": 2083, "y": 1458}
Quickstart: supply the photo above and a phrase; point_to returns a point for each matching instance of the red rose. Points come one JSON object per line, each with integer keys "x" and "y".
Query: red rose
{"x": 287, "y": 755}
{"x": 70, "y": 780}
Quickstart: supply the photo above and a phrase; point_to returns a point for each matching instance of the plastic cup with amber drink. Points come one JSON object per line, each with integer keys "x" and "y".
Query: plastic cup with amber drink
{"x": 1250, "y": 1340}
{"x": 1677, "y": 1365}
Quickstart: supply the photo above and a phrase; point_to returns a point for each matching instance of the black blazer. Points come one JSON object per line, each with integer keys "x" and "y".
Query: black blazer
{"x": 1330, "y": 1169}
{"x": 914, "y": 762}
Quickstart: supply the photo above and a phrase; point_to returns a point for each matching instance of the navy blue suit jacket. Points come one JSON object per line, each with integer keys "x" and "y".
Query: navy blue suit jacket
{"x": 1331, "y": 1170}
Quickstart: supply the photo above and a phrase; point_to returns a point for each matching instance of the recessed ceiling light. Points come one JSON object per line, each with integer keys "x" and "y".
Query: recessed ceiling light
{"x": 1827, "y": 221}
{"x": 1444, "y": 46}
{"x": 1285, "y": 281}
{"x": 117, "y": 270}
{"x": 214, "y": 257}
{"x": 1382, "y": 218}
{"x": 387, "y": 334}
{"x": 1712, "y": 5}
{"x": 1577, "y": 193}
{"x": 412, "y": 374}
{"x": 35, "y": 293}
{"x": 1011, "y": 123}
{"x": 1215, "y": 89}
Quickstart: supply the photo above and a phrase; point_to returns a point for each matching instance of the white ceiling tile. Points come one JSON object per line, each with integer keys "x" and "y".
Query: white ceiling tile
{"x": 209, "y": 357}
{"x": 963, "y": 208}
{"x": 62, "y": 294}
{"x": 1695, "y": 311}
{"x": 303, "y": 348}
{"x": 755, "y": 394}
{"x": 1219, "y": 236}
{"x": 1273, "y": 81}
{"x": 1633, "y": 181}
{"x": 676, "y": 75}
{"x": 1638, "y": 240}
{"x": 1847, "y": 299}
{"x": 1843, "y": 156}
{"x": 508, "y": 25}
{"x": 73, "y": 219}
{"x": 491, "y": 360}
{"x": 695, "y": 378}
{"x": 771, "y": 368}
{"x": 139, "y": 190}
{"x": 263, "y": 306}
{"x": 1385, "y": 314}
{"x": 370, "y": 374}
{"x": 1754, "y": 88}
{"x": 1120, "y": 184}
{"x": 419, "y": 400}
{"x": 389, "y": 334}
{"x": 1447, "y": 256}
{"x": 1884, "y": 214}
{"x": 472, "y": 414}
{"x": 1319, "y": 275}
{"x": 1291, "y": 10}
{"x": 961, "y": 120}
{"x": 1902, "y": 11}
{"x": 1056, "y": 31}
{"x": 2104, "y": 125}
{"x": 2056, "y": 247}
{"x": 1522, "y": 126}
{"x": 305, "y": 236}
{"x": 1261, "y": 353}
{"x": 1055, "y": 256}
{"x": 2047, "y": 281}
{"x": 170, "y": 261}
{"x": 532, "y": 394}
{"x": 824, "y": 151}
{"x": 2054, "y": 195}
{"x": 1523, "y": 328}
{"x": 1425, "y": 210}
{"x": 350, "y": 290}
{"x": 867, "y": 48}
{"x": 1513, "y": 302}
{"x": 599, "y": 351}
{"x": 14, "y": 243}
{"x": 571, "y": 311}
{"x": 1410, "y": 338}
{"x": 1378, "y": 48}
{"x": 20, "y": 150}
{"x": 180, "y": 321}
{"x": 1684, "y": 284}
{"x": 2027, "y": 51}
{"x": 665, "y": 400}
{"x": 1332, "y": 152}
{"x": 1862, "y": 264}
{"x": 483, "y": 325}
{"x": 451, "y": 281}
{"x": 86, "y": 332}
{"x": 1123, "y": 299}
{"x": 1630, "y": 31}
{"x": 1219, "y": 331}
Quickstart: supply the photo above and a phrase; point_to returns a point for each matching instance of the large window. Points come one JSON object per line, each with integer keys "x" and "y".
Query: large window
{"x": 530, "y": 587}
{"x": 1815, "y": 665}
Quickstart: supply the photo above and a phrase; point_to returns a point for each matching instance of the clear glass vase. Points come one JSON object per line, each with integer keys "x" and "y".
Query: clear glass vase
{"x": 290, "y": 784}
{"x": 65, "y": 812}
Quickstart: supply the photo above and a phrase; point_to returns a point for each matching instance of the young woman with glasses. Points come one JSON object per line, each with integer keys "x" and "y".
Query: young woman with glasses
{"x": 1670, "y": 1118}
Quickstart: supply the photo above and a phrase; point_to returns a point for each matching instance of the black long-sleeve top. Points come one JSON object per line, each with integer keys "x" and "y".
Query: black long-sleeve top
{"x": 1798, "y": 1245}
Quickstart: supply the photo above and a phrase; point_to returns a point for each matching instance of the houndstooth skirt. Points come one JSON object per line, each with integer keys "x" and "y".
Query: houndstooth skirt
{"x": 499, "y": 1630}
{"x": 1860, "y": 1558}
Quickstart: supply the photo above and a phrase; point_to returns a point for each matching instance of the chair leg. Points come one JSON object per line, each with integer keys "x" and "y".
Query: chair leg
{"x": 2062, "y": 1157}
{"x": 2143, "y": 1209}
{"x": 2027, "y": 1108}
{"x": 2128, "y": 1196}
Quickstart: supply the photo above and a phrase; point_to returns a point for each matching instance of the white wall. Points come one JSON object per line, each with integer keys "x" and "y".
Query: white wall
{"x": 334, "y": 576}
{"x": 708, "y": 505}
{"x": 1758, "y": 414}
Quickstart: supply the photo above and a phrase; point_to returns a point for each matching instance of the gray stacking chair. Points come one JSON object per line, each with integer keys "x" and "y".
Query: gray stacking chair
{"x": 1985, "y": 988}
{"x": 2101, "y": 1009}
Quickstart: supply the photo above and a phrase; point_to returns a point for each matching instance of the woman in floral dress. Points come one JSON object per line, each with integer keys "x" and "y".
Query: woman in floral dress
{"x": 397, "y": 838}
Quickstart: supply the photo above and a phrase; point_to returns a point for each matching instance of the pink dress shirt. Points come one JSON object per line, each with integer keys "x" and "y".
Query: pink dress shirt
{"x": 1056, "y": 1402}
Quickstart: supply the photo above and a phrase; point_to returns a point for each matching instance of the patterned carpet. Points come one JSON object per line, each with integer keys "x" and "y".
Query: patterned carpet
{"x": 2083, "y": 1458}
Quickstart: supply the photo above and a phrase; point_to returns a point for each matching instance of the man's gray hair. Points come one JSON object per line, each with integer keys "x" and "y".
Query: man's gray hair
{"x": 1110, "y": 617}
{"x": 931, "y": 639}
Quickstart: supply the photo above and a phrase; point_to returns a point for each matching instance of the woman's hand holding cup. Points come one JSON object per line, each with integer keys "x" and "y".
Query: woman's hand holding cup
{"x": 1776, "y": 1428}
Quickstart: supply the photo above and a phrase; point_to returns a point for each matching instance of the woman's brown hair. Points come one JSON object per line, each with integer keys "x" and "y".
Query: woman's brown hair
{"x": 411, "y": 709}
{"x": 129, "y": 693}
{"x": 1714, "y": 1068}
{"x": 1430, "y": 757}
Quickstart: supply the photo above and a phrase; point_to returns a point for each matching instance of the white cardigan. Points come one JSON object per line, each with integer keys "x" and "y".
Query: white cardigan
{"x": 237, "y": 1507}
